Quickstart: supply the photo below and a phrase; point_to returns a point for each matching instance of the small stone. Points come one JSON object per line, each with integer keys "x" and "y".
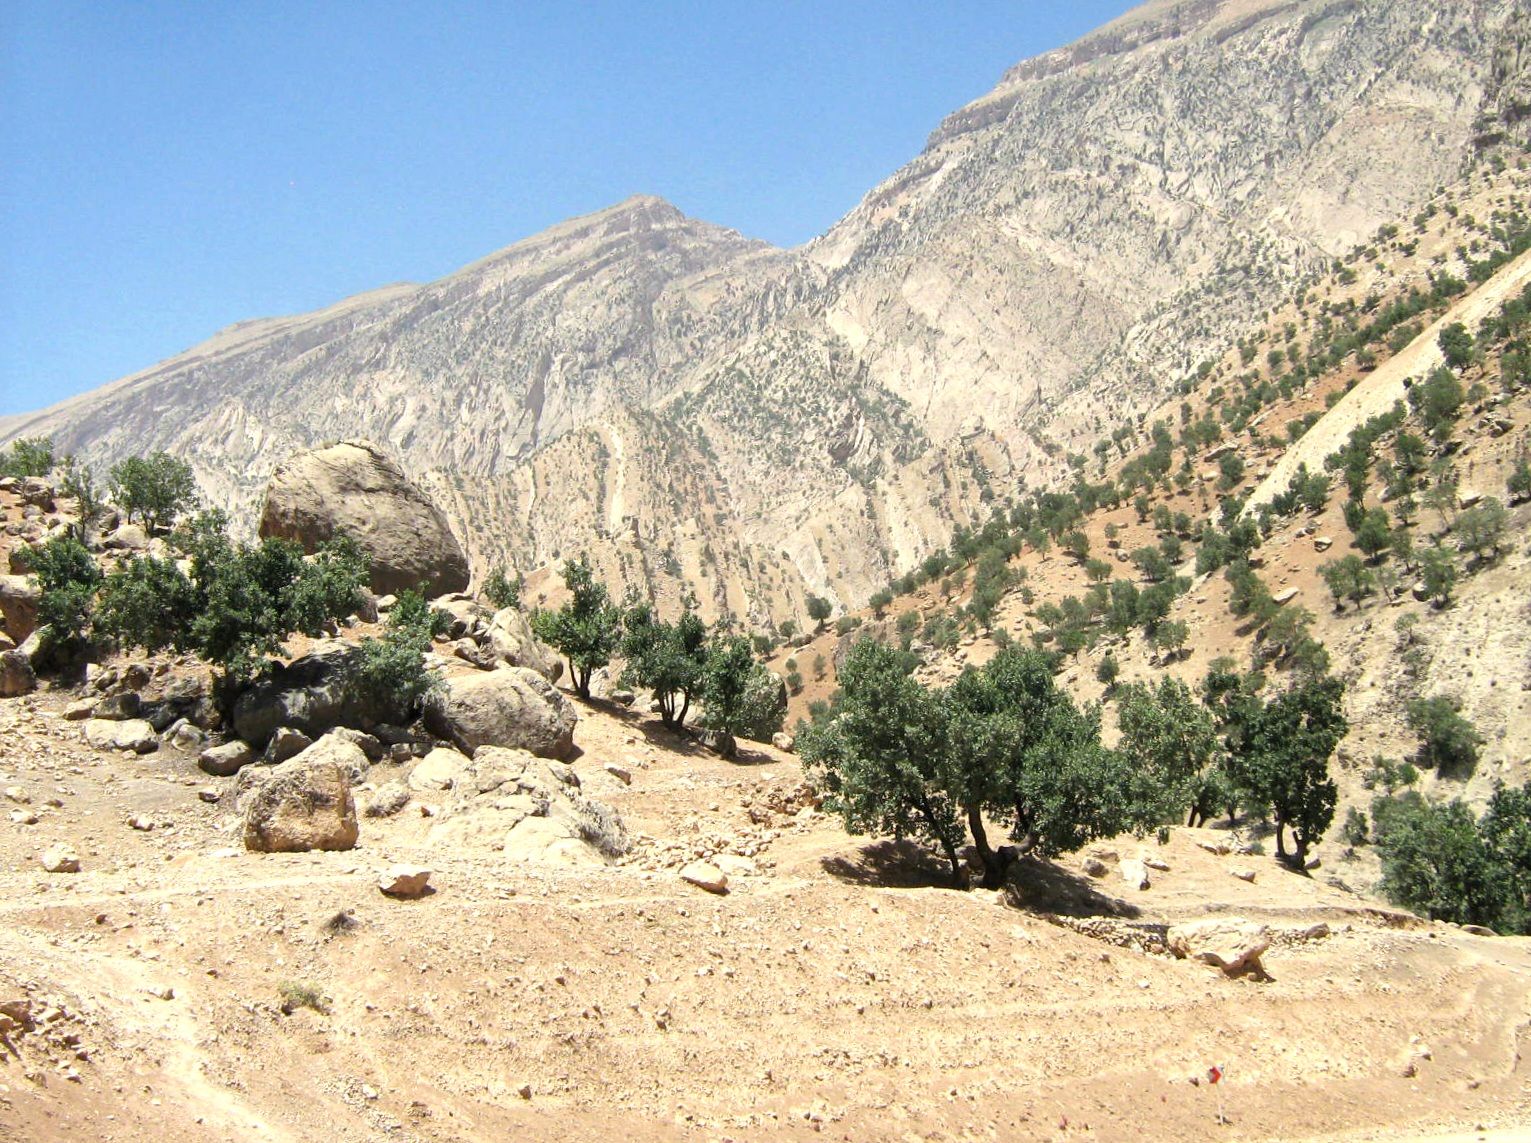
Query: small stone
{"x": 1094, "y": 867}
{"x": 141, "y": 823}
{"x": 408, "y": 881}
{"x": 1135, "y": 873}
{"x": 1243, "y": 874}
{"x": 1322, "y": 543}
{"x": 61, "y": 858}
{"x": 620, "y": 773}
{"x": 705, "y": 876}
{"x": 524, "y": 1091}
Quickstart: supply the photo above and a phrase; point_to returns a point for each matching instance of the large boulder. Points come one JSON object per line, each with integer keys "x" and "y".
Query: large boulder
{"x": 353, "y": 488}
{"x": 301, "y": 805}
{"x": 20, "y": 597}
{"x": 510, "y": 706}
{"x": 313, "y": 694}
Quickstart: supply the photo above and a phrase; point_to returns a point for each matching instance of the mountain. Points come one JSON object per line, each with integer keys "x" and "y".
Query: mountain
{"x": 696, "y": 408}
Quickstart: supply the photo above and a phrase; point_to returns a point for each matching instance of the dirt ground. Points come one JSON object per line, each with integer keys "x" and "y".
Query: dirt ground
{"x": 835, "y": 990}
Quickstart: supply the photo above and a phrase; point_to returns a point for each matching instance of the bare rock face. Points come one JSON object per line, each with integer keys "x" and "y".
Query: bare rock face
{"x": 302, "y": 805}
{"x": 512, "y": 706}
{"x": 353, "y": 488}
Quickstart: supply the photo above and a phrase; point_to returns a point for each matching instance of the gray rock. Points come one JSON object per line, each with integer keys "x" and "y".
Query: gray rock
{"x": 783, "y": 742}
{"x": 16, "y": 675}
{"x": 185, "y": 735}
{"x": 512, "y": 706}
{"x": 300, "y": 806}
{"x": 314, "y": 694}
{"x": 339, "y": 752}
{"x": 441, "y": 769}
{"x": 389, "y": 799}
{"x": 509, "y": 636}
{"x": 129, "y": 734}
{"x": 354, "y": 488}
{"x": 61, "y": 858}
{"x": 119, "y": 706}
{"x": 286, "y": 742}
{"x": 366, "y": 743}
{"x": 230, "y": 758}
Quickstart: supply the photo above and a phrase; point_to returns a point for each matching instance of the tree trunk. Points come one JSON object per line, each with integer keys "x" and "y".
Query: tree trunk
{"x": 991, "y": 869}
{"x": 1280, "y": 838}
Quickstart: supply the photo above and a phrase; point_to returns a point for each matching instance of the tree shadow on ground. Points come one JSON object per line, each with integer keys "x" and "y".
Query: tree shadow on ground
{"x": 1044, "y": 887}
{"x": 889, "y": 864}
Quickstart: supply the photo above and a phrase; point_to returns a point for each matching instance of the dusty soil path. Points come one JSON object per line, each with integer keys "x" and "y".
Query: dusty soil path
{"x": 832, "y": 992}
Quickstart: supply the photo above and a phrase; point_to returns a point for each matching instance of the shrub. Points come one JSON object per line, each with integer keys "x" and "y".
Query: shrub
{"x": 1449, "y": 743}
{"x": 392, "y": 671}
{"x": 68, "y": 577}
{"x": 501, "y": 591}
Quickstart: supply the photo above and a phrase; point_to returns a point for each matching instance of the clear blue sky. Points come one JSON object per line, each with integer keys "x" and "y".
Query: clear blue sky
{"x": 169, "y": 168}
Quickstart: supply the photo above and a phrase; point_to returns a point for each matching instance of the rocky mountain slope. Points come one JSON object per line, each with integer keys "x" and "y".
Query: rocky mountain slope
{"x": 695, "y": 407}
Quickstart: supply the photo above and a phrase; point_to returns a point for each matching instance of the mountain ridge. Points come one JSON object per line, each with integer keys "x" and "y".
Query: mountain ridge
{"x": 1045, "y": 272}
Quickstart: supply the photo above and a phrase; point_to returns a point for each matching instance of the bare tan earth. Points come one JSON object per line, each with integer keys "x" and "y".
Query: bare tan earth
{"x": 833, "y": 992}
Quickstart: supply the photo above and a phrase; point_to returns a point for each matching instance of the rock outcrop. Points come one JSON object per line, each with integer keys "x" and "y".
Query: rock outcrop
{"x": 354, "y": 488}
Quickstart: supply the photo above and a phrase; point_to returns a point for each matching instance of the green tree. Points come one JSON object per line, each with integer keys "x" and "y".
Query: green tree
{"x": 27, "y": 457}
{"x": 1438, "y": 400}
{"x": 1438, "y": 572}
{"x": 1348, "y": 578}
{"x": 819, "y": 609}
{"x": 501, "y": 591}
{"x": 251, "y": 598}
{"x": 1519, "y": 483}
{"x": 1373, "y": 536}
{"x": 880, "y": 602}
{"x": 1448, "y": 742}
{"x": 586, "y": 629}
{"x": 1457, "y": 345}
{"x": 1481, "y": 528}
{"x": 1023, "y": 754}
{"x": 1108, "y": 671}
{"x": 79, "y": 483}
{"x": 145, "y": 603}
{"x": 1170, "y": 739}
{"x": 878, "y": 754}
{"x": 392, "y": 672}
{"x": 68, "y": 577}
{"x": 157, "y": 488}
{"x": 1435, "y": 862}
{"x": 1169, "y": 639}
{"x": 725, "y": 682}
{"x": 669, "y": 659}
{"x": 1284, "y": 756}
